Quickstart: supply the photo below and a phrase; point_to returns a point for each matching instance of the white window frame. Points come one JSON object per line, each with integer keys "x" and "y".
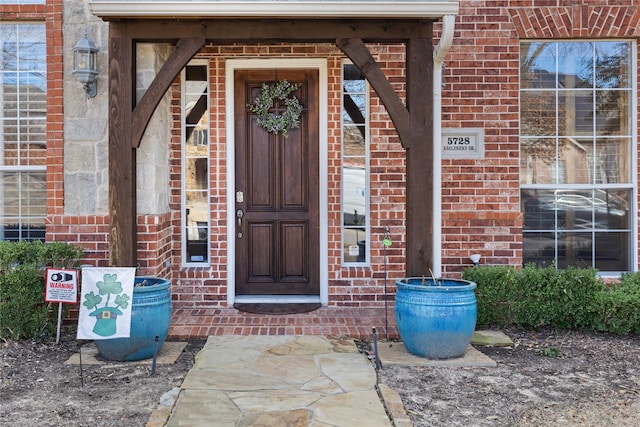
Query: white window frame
{"x": 633, "y": 184}
{"x": 367, "y": 189}
{"x": 19, "y": 169}
{"x": 183, "y": 156}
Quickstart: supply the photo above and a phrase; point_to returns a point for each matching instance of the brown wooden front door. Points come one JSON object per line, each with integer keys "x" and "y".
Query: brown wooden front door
{"x": 276, "y": 199}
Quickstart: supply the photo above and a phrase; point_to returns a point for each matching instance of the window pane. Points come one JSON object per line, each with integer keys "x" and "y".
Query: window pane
{"x": 613, "y": 62}
{"x": 575, "y": 65}
{"x": 612, "y": 251}
{"x": 576, "y": 154}
{"x": 575, "y": 209}
{"x": 575, "y": 249}
{"x": 604, "y": 251}
{"x": 353, "y": 80}
{"x": 612, "y": 108}
{"x": 24, "y": 203}
{"x": 354, "y": 109}
{"x": 539, "y": 248}
{"x": 197, "y": 118}
{"x": 539, "y": 209}
{"x": 538, "y": 160}
{"x": 573, "y": 220}
{"x": 353, "y": 140}
{"x": 197, "y": 230}
{"x": 355, "y": 245}
{"x": 616, "y": 215}
{"x": 197, "y": 174}
{"x": 354, "y": 192}
{"x": 537, "y": 65}
{"x": 538, "y": 113}
{"x": 575, "y": 112}
{"x": 613, "y": 161}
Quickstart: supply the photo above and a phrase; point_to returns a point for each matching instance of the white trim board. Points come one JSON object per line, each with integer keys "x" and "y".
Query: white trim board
{"x": 381, "y": 9}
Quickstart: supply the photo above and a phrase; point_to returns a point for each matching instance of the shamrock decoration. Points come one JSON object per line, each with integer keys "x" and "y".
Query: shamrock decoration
{"x": 92, "y": 300}
{"x": 106, "y": 316}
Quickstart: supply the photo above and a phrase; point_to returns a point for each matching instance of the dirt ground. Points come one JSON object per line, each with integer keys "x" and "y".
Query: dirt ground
{"x": 564, "y": 378}
{"x": 550, "y": 379}
{"x": 38, "y": 389}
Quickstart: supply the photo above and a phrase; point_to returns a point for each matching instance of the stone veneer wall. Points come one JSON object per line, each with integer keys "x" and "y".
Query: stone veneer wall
{"x": 83, "y": 217}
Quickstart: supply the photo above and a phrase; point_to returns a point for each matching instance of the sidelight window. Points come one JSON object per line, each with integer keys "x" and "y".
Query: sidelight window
{"x": 195, "y": 164}
{"x": 355, "y": 166}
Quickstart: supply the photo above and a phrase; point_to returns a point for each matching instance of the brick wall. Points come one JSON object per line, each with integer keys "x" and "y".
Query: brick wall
{"x": 352, "y": 286}
{"x": 480, "y": 198}
{"x": 481, "y": 206}
{"x": 481, "y": 210}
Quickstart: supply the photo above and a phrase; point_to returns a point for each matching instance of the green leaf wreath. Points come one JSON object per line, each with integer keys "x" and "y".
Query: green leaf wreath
{"x": 272, "y": 122}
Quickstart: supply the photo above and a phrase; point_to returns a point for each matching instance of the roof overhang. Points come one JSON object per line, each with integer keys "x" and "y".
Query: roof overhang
{"x": 274, "y": 9}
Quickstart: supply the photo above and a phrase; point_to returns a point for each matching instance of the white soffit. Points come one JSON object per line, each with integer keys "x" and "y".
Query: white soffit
{"x": 275, "y": 9}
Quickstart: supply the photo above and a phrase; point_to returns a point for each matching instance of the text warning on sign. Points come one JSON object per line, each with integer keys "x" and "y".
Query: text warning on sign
{"x": 62, "y": 286}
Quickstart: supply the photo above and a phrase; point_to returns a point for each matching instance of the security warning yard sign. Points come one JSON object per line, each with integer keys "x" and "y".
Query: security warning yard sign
{"x": 62, "y": 286}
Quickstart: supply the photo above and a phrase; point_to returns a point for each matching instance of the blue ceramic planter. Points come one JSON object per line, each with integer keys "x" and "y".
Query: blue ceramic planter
{"x": 150, "y": 317}
{"x": 436, "y": 322}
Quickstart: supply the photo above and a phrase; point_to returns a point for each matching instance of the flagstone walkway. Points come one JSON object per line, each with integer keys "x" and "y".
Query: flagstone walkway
{"x": 314, "y": 381}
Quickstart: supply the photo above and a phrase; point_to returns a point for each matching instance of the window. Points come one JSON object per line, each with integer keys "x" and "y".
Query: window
{"x": 23, "y": 151}
{"x": 195, "y": 166}
{"x": 355, "y": 165}
{"x": 576, "y": 150}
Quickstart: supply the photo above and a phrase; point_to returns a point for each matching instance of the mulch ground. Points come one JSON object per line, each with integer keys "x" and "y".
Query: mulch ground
{"x": 547, "y": 378}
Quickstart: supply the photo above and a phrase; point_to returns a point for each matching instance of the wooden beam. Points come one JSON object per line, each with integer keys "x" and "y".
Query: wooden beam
{"x": 276, "y": 30}
{"x": 122, "y": 160}
{"x": 419, "y": 211}
{"x": 356, "y": 50}
{"x": 184, "y": 50}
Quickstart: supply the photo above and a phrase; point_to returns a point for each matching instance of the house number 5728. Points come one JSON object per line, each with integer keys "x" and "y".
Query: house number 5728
{"x": 458, "y": 140}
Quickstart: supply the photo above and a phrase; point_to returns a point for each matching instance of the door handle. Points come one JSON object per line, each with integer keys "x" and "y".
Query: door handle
{"x": 239, "y": 215}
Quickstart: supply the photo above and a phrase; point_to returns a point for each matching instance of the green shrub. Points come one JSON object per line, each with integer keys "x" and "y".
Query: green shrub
{"x": 536, "y": 297}
{"x": 620, "y": 306}
{"x": 533, "y": 297}
{"x": 561, "y": 299}
{"x": 492, "y": 294}
{"x": 630, "y": 279}
{"x": 578, "y": 299}
{"x": 23, "y": 311}
{"x": 54, "y": 254}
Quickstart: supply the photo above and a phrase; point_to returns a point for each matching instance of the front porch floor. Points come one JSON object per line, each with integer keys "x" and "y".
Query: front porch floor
{"x": 355, "y": 322}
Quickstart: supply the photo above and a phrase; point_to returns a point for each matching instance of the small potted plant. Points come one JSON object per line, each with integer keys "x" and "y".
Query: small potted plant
{"x": 435, "y": 317}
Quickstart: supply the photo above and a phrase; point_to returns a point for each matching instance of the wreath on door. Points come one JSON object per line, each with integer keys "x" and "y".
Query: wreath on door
{"x": 272, "y": 122}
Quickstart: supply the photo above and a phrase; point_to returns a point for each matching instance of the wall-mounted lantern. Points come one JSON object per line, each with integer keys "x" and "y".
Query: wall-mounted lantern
{"x": 85, "y": 65}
